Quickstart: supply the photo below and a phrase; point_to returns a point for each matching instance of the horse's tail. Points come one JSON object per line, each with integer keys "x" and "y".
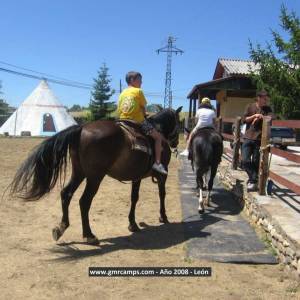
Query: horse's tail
{"x": 212, "y": 149}
{"x": 204, "y": 151}
{"x": 208, "y": 152}
{"x": 40, "y": 171}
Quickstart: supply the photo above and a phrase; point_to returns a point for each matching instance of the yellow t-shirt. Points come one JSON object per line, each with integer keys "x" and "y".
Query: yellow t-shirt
{"x": 131, "y": 102}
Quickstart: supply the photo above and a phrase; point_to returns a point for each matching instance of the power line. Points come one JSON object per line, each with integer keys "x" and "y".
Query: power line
{"x": 66, "y": 83}
{"x": 45, "y": 74}
{"x": 65, "y": 80}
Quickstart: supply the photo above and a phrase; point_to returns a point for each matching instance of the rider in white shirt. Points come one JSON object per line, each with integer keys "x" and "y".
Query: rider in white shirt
{"x": 206, "y": 116}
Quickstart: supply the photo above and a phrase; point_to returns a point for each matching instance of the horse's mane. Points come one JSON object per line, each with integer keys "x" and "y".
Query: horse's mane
{"x": 163, "y": 119}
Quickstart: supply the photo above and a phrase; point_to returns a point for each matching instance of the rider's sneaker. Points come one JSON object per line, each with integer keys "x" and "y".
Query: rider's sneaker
{"x": 185, "y": 152}
{"x": 159, "y": 168}
{"x": 252, "y": 187}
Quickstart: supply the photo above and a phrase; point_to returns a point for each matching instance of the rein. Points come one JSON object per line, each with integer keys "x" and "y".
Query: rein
{"x": 173, "y": 134}
{"x": 170, "y": 137}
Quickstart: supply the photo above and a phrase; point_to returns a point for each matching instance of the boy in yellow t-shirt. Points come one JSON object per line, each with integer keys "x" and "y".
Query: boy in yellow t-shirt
{"x": 131, "y": 106}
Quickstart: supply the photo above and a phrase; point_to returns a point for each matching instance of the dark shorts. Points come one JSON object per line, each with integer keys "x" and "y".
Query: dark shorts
{"x": 147, "y": 127}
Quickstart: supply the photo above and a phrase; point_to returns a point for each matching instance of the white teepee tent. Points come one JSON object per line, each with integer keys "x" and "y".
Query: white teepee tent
{"x": 41, "y": 114}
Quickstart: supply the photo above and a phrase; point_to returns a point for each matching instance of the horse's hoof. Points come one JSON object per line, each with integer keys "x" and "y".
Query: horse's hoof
{"x": 133, "y": 228}
{"x": 56, "y": 233}
{"x": 201, "y": 211}
{"x": 91, "y": 240}
{"x": 164, "y": 220}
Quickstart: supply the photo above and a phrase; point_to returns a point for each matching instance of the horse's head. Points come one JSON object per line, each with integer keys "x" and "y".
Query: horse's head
{"x": 167, "y": 122}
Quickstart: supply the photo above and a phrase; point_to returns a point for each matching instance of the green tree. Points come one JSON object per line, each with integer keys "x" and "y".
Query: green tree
{"x": 279, "y": 67}
{"x": 154, "y": 108}
{"x": 100, "y": 105}
{"x": 5, "y": 110}
{"x": 2, "y": 102}
{"x": 75, "y": 107}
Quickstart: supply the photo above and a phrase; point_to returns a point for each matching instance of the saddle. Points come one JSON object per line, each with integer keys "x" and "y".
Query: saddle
{"x": 139, "y": 141}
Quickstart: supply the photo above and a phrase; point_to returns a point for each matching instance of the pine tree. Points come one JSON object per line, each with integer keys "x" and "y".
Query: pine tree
{"x": 279, "y": 67}
{"x": 3, "y": 105}
{"x": 5, "y": 110}
{"x": 100, "y": 105}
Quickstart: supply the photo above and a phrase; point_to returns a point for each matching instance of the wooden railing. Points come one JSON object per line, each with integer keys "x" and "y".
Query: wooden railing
{"x": 293, "y": 186}
{"x": 266, "y": 148}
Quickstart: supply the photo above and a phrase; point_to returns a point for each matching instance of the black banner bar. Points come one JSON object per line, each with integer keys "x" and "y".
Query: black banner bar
{"x": 150, "y": 272}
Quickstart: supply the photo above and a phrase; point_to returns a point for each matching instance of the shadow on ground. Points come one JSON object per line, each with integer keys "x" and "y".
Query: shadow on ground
{"x": 149, "y": 238}
{"x": 287, "y": 196}
{"x": 221, "y": 234}
{"x": 231, "y": 239}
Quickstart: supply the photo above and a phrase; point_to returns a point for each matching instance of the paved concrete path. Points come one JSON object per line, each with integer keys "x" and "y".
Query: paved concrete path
{"x": 291, "y": 171}
{"x": 284, "y": 204}
{"x": 221, "y": 234}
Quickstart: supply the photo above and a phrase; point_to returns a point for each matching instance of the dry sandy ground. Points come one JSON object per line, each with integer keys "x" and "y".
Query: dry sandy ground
{"x": 33, "y": 266}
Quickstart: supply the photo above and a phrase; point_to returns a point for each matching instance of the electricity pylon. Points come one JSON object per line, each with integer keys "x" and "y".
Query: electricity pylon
{"x": 169, "y": 49}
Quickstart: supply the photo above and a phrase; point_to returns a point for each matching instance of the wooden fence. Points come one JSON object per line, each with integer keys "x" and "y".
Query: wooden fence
{"x": 294, "y": 186}
{"x": 266, "y": 148}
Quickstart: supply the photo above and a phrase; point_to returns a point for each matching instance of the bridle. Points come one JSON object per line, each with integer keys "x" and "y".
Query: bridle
{"x": 172, "y": 136}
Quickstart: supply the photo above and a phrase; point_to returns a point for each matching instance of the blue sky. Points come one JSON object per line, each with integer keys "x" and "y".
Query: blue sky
{"x": 71, "y": 39}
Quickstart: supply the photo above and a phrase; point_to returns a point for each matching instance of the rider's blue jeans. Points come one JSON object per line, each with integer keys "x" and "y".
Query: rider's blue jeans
{"x": 250, "y": 159}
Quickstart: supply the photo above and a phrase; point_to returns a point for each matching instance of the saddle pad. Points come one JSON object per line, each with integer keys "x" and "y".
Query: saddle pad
{"x": 138, "y": 141}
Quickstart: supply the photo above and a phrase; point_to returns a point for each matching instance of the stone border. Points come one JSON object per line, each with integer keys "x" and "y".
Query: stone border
{"x": 287, "y": 250}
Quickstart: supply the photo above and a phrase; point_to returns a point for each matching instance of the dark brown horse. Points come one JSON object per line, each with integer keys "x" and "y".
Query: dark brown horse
{"x": 207, "y": 150}
{"x": 96, "y": 149}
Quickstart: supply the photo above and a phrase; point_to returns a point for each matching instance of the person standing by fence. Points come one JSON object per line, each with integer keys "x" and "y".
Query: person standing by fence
{"x": 253, "y": 118}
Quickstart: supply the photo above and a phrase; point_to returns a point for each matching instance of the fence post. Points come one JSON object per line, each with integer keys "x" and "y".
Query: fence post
{"x": 236, "y": 143}
{"x": 264, "y": 155}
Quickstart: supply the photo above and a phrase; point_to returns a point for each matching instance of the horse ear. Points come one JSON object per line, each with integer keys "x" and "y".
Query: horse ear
{"x": 178, "y": 110}
{"x": 159, "y": 107}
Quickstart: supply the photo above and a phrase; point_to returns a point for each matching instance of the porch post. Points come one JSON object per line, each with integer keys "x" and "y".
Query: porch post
{"x": 194, "y": 107}
{"x": 190, "y": 109}
{"x": 199, "y": 99}
{"x": 218, "y": 108}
